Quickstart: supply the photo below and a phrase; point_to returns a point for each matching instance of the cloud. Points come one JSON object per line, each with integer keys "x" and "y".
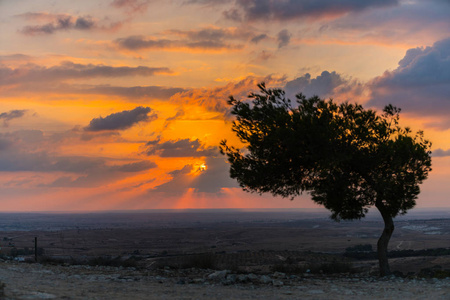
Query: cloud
{"x": 30, "y": 151}
{"x": 13, "y": 114}
{"x": 207, "y": 2}
{"x": 264, "y": 10}
{"x": 134, "y": 92}
{"x": 441, "y": 153}
{"x": 131, "y": 6}
{"x": 134, "y": 167}
{"x": 121, "y": 120}
{"x": 214, "y": 34}
{"x": 31, "y": 74}
{"x": 179, "y": 148}
{"x": 283, "y": 38}
{"x": 421, "y": 83}
{"x": 135, "y": 43}
{"x": 208, "y": 38}
{"x": 215, "y": 99}
{"x": 101, "y": 175}
{"x": 325, "y": 85}
{"x": 212, "y": 180}
{"x": 180, "y": 113}
{"x": 410, "y": 23}
{"x": 258, "y": 38}
{"x": 58, "y": 23}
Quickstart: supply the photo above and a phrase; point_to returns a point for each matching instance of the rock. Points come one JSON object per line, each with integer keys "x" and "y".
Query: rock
{"x": 218, "y": 275}
{"x": 39, "y": 295}
{"x": 242, "y": 278}
{"x": 230, "y": 279}
{"x": 279, "y": 275}
{"x": 252, "y": 277}
{"x": 198, "y": 280}
{"x": 265, "y": 279}
{"x": 315, "y": 292}
{"x": 277, "y": 282}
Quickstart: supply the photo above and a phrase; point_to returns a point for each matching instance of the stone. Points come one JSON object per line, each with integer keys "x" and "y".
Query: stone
{"x": 218, "y": 275}
{"x": 277, "y": 282}
{"x": 279, "y": 275}
{"x": 265, "y": 279}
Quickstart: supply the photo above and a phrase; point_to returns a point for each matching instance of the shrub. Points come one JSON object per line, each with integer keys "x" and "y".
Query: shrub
{"x": 2, "y": 290}
{"x": 200, "y": 261}
{"x": 289, "y": 268}
{"x": 113, "y": 262}
{"x": 332, "y": 268}
{"x": 360, "y": 248}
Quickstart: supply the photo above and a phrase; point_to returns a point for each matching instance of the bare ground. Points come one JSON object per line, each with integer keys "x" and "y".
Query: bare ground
{"x": 37, "y": 281}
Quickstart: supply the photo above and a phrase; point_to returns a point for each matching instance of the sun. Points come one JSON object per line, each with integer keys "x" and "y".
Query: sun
{"x": 202, "y": 167}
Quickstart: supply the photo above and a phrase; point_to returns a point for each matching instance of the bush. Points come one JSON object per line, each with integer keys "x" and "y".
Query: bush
{"x": 113, "y": 262}
{"x": 360, "y": 248}
{"x": 2, "y": 290}
{"x": 201, "y": 261}
{"x": 332, "y": 268}
{"x": 289, "y": 268}
{"x": 323, "y": 268}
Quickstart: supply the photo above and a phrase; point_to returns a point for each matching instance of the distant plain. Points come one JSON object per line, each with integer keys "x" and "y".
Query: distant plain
{"x": 242, "y": 235}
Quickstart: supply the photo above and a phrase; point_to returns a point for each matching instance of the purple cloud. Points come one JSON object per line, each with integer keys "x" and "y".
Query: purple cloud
{"x": 121, "y": 120}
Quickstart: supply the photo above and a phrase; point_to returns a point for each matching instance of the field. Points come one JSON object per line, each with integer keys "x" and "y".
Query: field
{"x": 222, "y": 254}
{"x": 252, "y": 241}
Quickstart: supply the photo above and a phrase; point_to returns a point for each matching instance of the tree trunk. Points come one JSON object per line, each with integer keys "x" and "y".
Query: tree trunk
{"x": 383, "y": 241}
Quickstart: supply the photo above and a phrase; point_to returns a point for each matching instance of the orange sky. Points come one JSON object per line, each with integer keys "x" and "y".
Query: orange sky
{"x": 121, "y": 104}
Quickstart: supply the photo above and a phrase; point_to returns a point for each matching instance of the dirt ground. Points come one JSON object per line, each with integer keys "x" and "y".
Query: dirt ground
{"x": 246, "y": 247}
{"x": 37, "y": 281}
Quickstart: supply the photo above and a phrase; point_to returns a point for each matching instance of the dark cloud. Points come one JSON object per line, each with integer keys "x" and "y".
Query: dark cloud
{"x": 215, "y": 99}
{"x": 27, "y": 151}
{"x": 68, "y": 70}
{"x": 283, "y": 38}
{"x": 101, "y": 175}
{"x": 140, "y": 42}
{"x": 264, "y": 55}
{"x": 258, "y": 38}
{"x": 134, "y": 92}
{"x": 105, "y": 135}
{"x": 263, "y": 10}
{"x": 421, "y": 83}
{"x": 180, "y": 113}
{"x": 17, "y": 57}
{"x": 131, "y": 6}
{"x": 441, "y": 153}
{"x": 84, "y": 23}
{"x": 214, "y": 34}
{"x": 397, "y": 25}
{"x": 322, "y": 86}
{"x": 134, "y": 167}
{"x": 179, "y": 148}
{"x": 121, "y": 120}
{"x": 232, "y": 14}
{"x": 209, "y": 38}
{"x": 4, "y": 144}
{"x": 60, "y": 23}
{"x": 210, "y": 180}
{"x": 207, "y": 2}
{"x": 13, "y": 114}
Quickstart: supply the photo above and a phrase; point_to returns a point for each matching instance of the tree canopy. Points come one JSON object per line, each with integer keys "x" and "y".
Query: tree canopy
{"x": 346, "y": 157}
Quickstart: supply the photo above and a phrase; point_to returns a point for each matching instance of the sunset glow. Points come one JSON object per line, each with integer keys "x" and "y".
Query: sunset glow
{"x": 121, "y": 104}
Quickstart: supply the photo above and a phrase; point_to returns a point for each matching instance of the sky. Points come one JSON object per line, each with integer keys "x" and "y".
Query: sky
{"x": 121, "y": 104}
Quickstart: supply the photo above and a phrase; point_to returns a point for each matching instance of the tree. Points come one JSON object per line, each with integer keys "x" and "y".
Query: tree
{"x": 346, "y": 157}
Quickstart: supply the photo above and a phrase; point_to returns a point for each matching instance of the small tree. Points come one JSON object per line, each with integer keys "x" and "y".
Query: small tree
{"x": 346, "y": 157}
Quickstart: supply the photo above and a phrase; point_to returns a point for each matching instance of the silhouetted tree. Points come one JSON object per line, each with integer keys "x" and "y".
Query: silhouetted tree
{"x": 346, "y": 157}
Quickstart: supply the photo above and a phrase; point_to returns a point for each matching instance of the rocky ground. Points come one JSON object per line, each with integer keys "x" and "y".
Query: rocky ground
{"x": 39, "y": 281}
